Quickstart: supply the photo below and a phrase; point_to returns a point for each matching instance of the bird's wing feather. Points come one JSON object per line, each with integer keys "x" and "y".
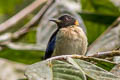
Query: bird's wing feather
{"x": 50, "y": 46}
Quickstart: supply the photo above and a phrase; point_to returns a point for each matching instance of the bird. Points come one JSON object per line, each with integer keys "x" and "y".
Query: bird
{"x": 69, "y": 38}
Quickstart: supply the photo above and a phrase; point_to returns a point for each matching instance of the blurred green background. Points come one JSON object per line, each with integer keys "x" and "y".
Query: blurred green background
{"x": 97, "y": 16}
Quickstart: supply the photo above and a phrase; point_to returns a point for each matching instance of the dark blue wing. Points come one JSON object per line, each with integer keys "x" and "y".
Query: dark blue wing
{"x": 51, "y": 45}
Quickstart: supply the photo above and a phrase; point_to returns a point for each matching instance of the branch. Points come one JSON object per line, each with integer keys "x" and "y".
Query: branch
{"x": 106, "y": 54}
{"x": 5, "y": 39}
{"x": 97, "y": 55}
{"x": 34, "y": 21}
{"x": 114, "y": 24}
{"x": 23, "y": 46}
{"x": 19, "y": 16}
{"x": 108, "y": 41}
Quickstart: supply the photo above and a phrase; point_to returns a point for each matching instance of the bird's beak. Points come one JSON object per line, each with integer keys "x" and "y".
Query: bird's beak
{"x": 55, "y": 20}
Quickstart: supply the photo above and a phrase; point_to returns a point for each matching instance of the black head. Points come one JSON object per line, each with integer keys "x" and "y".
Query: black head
{"x": 65, "y": 21}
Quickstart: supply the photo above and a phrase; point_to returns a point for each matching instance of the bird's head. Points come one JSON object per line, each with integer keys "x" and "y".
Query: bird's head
{"x": 65, "y": 21}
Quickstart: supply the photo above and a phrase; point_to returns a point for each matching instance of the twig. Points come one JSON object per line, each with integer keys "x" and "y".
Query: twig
{"x": 115, "y": 23}
{"x": 19, "y": 16}
{"x": 23, "y": 46}
{"x": 106, "y": 54}
{"x": 97, "y": 55}
{"x": 35, "y": 20}
{"x": 5, "y": 39}
{"x": 28, "y": 26}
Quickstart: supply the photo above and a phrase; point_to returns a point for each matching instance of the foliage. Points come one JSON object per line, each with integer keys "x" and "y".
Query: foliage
{"x": 97, "y": 16}
{"x": 69, "y": 68}
{"x": 23, "y": 56}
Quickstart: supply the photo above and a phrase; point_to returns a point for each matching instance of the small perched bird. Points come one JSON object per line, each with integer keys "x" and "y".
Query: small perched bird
{"x": 69, "y": 38}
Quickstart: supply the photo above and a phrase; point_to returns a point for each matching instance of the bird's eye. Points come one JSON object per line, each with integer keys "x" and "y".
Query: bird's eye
{"x": 66, "y": 19}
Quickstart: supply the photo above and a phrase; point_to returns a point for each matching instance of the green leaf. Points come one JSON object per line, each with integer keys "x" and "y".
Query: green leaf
{"x": 107, "y": 65}
{"x": 95, "y": 72}
{"x": 39, "y": 71}
{"x": 98, "y": 17}
{"x": 65, "y": 71}
{"x": 96, "y": 23}
{"x": 8, "y": 6}
{"x": 68, "y": 68}
{"x": 57, "y": 70}
{"x": 22, "y": 56}
{"x": 102, "y": 6}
